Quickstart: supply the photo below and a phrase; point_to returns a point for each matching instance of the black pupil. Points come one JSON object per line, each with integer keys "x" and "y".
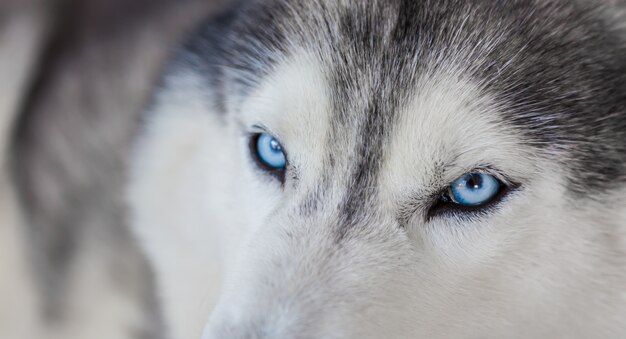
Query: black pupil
{"x": 474, "y": 182}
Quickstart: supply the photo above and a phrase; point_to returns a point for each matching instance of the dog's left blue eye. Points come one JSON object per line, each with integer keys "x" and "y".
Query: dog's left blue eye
{"x": 270, "y": 152}
{"x": 474, "y": 189}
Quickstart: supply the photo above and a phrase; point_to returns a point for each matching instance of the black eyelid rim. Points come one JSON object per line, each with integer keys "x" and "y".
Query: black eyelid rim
{"x": 483, "y": 169}
{"x": 424, "y": 204}
{"x": 438, "y": 207}
{"x": 258, "y": 129}
{"x": 487, "y": 169}
{"x": 253, "y": 137}
{"x": 505, "y": 180}
{"x": 262, "y": 129}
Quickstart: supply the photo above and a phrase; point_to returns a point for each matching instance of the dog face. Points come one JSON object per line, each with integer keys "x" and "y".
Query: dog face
{"x": 398, "y": 169}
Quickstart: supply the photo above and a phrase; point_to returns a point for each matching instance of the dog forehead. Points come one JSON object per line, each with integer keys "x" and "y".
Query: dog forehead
{"x": 448, "y": 127}
{"x": 294, "y": 104}
{"x": 531, "y": 57}
{"x": 390, "y": 150}
{"x": 443, "y": 118}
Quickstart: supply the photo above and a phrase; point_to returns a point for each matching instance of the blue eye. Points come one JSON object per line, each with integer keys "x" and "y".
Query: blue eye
{"x": 270, "y": 152}
{"x": 474, "y": 189}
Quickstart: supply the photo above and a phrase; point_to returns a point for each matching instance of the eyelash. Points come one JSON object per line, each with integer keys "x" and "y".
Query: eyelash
{"x": 444, "y": 206}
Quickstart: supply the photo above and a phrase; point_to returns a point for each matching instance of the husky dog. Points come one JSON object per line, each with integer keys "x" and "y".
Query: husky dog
{"x": 390, "y": 169}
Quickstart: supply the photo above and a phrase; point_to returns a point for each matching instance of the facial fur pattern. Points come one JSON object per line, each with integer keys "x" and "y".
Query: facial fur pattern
{"x": 379, "y": 107}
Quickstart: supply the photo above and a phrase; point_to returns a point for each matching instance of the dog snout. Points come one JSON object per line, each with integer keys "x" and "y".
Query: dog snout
{"x": 269, "y": 324}
{"x": 233, "y": 331}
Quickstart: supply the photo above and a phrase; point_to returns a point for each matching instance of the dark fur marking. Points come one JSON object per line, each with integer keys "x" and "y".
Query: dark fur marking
{"x": 556, "y": 68}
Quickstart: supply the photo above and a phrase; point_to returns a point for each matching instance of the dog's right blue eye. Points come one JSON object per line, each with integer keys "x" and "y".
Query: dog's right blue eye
{"x": 270, "y": 152}
{"x": 474, "y": 189}
{"x": 473, "y": 192}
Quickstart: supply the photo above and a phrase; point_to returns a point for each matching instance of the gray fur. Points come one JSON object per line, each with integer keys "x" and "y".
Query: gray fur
{"x": 556, "y": 70}
{"x": 71, "y": 142}
{"x": 549, "y": 63}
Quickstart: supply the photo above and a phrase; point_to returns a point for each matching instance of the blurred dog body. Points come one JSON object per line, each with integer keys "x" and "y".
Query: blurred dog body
{"x": 21, "y": 35}
{"x": 379, "y": 106}
{"x": 76, "y": 75}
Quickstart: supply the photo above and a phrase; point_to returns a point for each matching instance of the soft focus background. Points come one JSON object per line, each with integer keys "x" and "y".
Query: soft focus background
{"x": 74, "y": 77}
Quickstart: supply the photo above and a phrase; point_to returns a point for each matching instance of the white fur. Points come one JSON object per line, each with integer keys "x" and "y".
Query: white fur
{"x": 540, "y": 266}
